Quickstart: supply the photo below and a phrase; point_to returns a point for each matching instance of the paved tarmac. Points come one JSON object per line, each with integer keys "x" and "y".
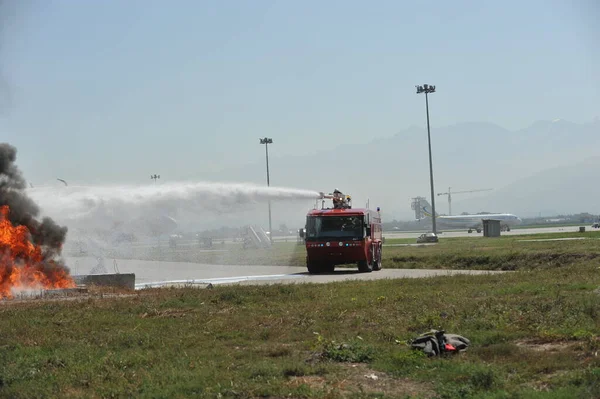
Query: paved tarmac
{"x": 151, "y": 272}
{"x": 148, "y": 272}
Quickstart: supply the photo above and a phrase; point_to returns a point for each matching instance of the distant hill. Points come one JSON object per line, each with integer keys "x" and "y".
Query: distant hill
{"x": 562, "y": 190}
{"x": 391, "y": 170}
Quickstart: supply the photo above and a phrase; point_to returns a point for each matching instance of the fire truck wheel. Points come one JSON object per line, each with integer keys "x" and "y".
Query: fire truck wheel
{"x": 314, "y": 268}
{"x": 377, "y": 262}
{"x": 366, "y": 266}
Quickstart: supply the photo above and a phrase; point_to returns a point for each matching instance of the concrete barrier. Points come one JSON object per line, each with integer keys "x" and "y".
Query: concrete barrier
{"x": 120, "y": 280}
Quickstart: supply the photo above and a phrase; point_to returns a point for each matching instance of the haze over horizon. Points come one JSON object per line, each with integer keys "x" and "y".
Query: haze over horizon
{"x": 112, "y": 92}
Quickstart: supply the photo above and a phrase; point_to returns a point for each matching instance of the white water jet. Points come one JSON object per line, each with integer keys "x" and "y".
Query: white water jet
{"x": 107, "y": 206}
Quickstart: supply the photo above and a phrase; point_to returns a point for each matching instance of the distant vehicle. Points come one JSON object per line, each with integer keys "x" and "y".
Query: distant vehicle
{"x": 596, "y": 225}
{"x": 174, "y": 239}
{"x": 342, "y": 235}
{"x": 471, "y": 222}
{"x": 427, "y": 237}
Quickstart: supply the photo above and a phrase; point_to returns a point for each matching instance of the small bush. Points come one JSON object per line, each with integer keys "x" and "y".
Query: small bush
{"x": 353, "y": 352}
{"x": 231, "y": 297}
{"x": 589, "y": 382}
{"x": 279, "y": 352}
{"x": 295, "y": 371}
{"x": 407, "y": 361}
{"x": 483, "y": 379}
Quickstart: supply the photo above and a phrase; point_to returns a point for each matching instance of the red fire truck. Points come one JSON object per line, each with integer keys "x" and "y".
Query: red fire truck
{"x": 342, "y": 235}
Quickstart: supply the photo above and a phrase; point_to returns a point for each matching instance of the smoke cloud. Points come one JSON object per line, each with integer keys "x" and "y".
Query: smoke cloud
{"x": 23, "y": 210}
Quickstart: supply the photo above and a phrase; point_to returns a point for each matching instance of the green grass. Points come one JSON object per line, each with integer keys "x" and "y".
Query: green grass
{"x": 535, "y": 333}
{"x": 503, "y": 253}
{"x": 298, "y": 340}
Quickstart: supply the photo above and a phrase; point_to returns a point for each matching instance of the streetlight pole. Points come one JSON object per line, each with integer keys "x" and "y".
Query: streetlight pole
{"x": 429, "y": 89}
{"x": 266, "y": 141}
{"x": 155, "y": 177}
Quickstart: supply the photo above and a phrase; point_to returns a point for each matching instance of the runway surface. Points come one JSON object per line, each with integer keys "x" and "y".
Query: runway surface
{"x": 150, "y": 272}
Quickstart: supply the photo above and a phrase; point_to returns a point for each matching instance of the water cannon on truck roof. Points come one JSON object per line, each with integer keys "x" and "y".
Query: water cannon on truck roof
{"x": 340, "y": 201}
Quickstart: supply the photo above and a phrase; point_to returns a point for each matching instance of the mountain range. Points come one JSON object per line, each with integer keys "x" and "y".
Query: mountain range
{"x": 562, "y": 190}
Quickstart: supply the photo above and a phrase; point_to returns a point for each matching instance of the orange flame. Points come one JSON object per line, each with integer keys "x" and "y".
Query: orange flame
{"x": 22, "y": 264}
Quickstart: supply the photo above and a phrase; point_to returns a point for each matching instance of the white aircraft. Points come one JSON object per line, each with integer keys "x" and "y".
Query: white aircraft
{"x": 471, "y": 222}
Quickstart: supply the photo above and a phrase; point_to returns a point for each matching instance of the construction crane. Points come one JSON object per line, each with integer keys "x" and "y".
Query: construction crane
{"x": 449, "y": 194}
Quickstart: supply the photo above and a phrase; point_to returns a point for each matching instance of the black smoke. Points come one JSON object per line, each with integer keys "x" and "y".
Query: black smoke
{"x": 23, "y": 211}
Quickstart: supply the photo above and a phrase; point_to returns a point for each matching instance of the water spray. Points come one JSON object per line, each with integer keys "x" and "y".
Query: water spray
{"x": 96, "y": 214}
{"x": 121, "y": 202}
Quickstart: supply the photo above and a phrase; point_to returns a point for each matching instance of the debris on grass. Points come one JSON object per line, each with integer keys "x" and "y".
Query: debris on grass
{"x": 437, "y": 342}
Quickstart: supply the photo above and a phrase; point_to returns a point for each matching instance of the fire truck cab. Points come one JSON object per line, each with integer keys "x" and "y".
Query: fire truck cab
{"x": 342, "y": 235}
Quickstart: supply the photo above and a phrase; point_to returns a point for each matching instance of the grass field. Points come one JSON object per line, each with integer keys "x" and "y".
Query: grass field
{"x": 535, "y": 332}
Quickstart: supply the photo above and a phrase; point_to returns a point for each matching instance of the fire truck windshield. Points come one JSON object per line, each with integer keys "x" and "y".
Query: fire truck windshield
{"x": 348, "y": 227}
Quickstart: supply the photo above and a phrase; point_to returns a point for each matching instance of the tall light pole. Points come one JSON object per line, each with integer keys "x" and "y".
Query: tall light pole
{"x": 266, "y": 141}
{"x": 155, "y": 177}
{"x": 429, "y": 89}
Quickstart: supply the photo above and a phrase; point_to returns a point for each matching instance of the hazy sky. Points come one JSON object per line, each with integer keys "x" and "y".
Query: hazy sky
{"x": 112, "y": 90}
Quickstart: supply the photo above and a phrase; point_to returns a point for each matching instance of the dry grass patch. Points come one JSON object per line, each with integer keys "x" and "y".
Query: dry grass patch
{"x": 358, "y": 378}
{"x": 543, "y": 346}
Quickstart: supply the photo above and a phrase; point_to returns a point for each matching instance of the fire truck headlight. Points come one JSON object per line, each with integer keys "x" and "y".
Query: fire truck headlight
{"x": 327, "y": 243}
{"x": 341, "y": 244}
